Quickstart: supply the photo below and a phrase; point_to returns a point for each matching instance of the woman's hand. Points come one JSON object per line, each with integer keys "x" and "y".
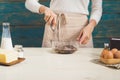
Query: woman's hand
{"x": 50, "y": 17}
{"x": 86, "y": 33}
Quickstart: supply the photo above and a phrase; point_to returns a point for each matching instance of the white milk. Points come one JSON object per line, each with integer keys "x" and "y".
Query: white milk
{"x": 6, "y": 43}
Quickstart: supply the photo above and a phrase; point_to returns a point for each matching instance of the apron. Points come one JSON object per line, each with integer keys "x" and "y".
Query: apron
{"x": 70, "y": 27}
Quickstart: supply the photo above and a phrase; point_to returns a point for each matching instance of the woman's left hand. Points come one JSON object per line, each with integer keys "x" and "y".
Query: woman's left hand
{"x": 86, "y": 33}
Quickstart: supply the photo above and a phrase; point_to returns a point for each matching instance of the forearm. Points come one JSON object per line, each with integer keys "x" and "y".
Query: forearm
{"x": 96, "y": 12}
{"x": 33, "y": 5}
{"x": 91, "y": 25}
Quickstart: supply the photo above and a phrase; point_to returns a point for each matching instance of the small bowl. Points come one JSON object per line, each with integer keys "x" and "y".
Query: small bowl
{"x": 65, "y": 47}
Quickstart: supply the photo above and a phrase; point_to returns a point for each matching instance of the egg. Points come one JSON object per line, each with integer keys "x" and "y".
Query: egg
{"x": 117, "y": 55}
{"x": 114, "y": 50}
{"x": 105, "y": 51}
{"x": 108, "y": 55}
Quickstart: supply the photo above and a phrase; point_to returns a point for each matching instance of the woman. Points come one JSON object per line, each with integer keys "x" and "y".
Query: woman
{"x": 75, "y": 24}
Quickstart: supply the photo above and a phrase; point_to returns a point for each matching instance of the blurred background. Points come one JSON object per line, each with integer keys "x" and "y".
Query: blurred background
{"x": 27, "y": 28}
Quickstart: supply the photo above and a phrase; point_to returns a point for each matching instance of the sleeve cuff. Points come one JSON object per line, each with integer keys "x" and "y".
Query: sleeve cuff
{"x": 96, "y": 18}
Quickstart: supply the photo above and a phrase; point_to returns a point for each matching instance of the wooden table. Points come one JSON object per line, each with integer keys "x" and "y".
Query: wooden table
{"x": 43, "y": 64}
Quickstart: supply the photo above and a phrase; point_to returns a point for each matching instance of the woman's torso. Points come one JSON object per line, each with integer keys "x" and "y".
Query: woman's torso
{"x": 77, "y": 6}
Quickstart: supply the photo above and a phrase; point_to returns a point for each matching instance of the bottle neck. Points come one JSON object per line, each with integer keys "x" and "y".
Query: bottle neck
{"x": 6, "y": 31}
{"x": 106, "y": 46}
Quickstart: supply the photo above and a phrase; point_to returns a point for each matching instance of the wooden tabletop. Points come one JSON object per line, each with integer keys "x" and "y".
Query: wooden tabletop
{"x": 44, "y": 64}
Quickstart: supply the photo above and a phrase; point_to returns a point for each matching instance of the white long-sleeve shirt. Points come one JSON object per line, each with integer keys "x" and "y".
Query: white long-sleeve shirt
{"x": 77, "y": 6}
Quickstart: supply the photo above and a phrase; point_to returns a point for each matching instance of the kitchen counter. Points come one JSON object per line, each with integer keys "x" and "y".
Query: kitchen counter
{"x": 44, "y": 64}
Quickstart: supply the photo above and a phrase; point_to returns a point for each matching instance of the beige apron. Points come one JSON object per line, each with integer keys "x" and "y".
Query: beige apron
{"x": 70, "y": 27}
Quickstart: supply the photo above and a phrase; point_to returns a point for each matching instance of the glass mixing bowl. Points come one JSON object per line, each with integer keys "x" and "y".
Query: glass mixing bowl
{"x": 65, "y": 47}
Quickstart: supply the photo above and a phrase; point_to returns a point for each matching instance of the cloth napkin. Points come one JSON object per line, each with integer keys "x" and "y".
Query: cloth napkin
{"x": 117, "y": 66}
{"x": 114, "y": 66}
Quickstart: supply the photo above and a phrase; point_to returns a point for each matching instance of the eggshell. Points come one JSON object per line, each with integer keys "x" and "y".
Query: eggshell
{"x": 114, "y": 50}
{"x": 105, "y": 51}
{"x": 117, "y": 55}
{"x": 108, "y": 55}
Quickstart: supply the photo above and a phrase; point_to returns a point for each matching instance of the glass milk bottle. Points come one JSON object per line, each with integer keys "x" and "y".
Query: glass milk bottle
{"x": 6, "y": 42}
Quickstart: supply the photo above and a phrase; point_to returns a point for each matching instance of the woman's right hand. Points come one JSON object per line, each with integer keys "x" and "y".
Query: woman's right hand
{"x": 50, "y": 17}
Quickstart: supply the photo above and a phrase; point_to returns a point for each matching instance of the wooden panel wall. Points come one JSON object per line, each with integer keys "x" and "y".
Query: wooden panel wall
{"x": 109, "y": 24}
{"x": 27, "y": 28}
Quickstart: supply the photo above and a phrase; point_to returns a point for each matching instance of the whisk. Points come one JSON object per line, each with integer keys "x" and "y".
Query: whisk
{"x": 56, "y": 30}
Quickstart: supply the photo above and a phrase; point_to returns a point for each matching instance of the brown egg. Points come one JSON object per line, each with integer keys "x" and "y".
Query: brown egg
{"x": 108, "y": 55}
{"x": 117, "y": 55}
{"x": 105, "y": 51}
{"x": 114, "y": 50}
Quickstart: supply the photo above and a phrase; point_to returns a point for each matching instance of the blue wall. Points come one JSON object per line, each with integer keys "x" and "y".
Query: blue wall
{"x": 27, "y": 28}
